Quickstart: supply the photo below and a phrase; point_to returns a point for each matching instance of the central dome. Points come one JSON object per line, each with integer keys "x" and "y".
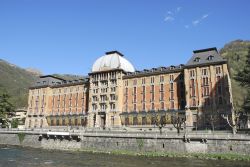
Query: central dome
{"x": 112, "y": 60}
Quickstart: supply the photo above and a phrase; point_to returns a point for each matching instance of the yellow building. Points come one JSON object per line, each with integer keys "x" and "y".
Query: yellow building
{"x": 114, "y": 94}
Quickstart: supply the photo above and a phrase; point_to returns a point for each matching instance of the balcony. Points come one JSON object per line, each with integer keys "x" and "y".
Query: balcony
{"x": 112, "y": 100}
{"x": 103, "y": 110}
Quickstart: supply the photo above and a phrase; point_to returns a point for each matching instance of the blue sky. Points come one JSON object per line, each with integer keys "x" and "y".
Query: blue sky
{"x": 67, "y": 36}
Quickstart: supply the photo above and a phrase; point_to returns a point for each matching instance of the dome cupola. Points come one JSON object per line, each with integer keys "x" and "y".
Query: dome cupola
{"x": 112, "y": 60}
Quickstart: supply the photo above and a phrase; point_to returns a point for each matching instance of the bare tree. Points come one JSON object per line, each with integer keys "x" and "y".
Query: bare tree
{"x": 178, "y": 121}
{"x": 231, "y": 123}
{"x": 160, "y": 122}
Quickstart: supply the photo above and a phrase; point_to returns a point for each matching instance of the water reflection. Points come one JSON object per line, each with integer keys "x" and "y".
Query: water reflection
{"x": 26, "y": 157}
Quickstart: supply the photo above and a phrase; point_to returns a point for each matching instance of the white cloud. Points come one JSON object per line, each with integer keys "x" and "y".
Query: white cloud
{"x": 169, "y": 18}
{"x": 178, "y": 9}
{"x": 205, "y": 16}
{"x": 198, "y": 21}
{"x": 170, "y": 13}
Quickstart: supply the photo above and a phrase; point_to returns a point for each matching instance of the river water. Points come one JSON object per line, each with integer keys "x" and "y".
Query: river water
{"x": 27, "y": 157}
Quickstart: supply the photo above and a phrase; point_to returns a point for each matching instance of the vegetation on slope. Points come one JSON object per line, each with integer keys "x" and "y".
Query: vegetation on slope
{"x": 236, "y": 53}
{"x": 15, "y": 81}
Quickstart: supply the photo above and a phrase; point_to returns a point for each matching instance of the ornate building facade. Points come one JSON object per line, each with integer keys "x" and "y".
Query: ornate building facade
{"x": 114, "y": 94}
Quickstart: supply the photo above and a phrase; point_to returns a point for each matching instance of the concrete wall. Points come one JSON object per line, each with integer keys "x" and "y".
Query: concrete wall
{"x": 136, "y": 142}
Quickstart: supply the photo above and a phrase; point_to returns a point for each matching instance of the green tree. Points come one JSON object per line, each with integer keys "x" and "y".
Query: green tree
{"x": 14, "y": 123}
{"x": 244, "y": 78}
{"x": 6, "y": 108}
{"x": 244, "y": 75}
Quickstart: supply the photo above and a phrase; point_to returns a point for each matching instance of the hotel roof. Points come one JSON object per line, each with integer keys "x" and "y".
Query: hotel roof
{"x": 205, "y": 56}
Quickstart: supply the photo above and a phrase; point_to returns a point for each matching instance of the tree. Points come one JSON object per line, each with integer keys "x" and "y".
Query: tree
{"x": 244, "y": 78}
{"x": 230, "y": 122}
{"x": 244, "y": 75}
{"x": 160, "y": 122}
{"x": 178, "y": 120}
{"x": 14, "y": 123}
{"x": 6, "y": 109}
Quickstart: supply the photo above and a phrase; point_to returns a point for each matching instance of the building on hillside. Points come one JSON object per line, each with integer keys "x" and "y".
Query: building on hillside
{"x": 20, "y": 115}
{"x": 114, "y": 94}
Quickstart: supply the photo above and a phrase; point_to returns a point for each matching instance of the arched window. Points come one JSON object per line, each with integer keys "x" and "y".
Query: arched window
{"x": 29, "y": 123}
{"x": 162, "y": 105}
{"x": 41, "y": 123}
{"x": 35, "y": 123}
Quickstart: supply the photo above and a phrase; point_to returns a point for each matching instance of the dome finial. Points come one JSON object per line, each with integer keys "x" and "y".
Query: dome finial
{"x": 114, "y": 51}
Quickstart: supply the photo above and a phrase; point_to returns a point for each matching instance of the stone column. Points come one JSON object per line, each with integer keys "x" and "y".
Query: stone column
{"x": 90, "y": 120}
{"x": 98, "y": 121}
{"x": 117, "y": 119}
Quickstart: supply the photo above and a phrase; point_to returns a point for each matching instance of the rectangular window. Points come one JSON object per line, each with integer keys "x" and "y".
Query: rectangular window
{"x": 76, "y": 100}
{"x": 143, "y": 81}
{"x": 171, "y": 95}
{"x": 153, "y": 106}
{"x": 143, "y": 93}
{"x": 53, "y": 101}
{"x": 204, "y": 72}
{"x": 43, "y": 101}
{"x": 126, "y": 83}
{"x": 70, "y": 100}
{"x": 192, "y": 92}
{"x": 162, "y": 105}
{"x": 171, "y": 78}
{"x": 134, "y": 93}
{"x": 171, "y": 86}
{"x": 161, "y": 78}
{"x": 134, "y": 107}
{"x": 58, "y": 101}
{"x": 152, "y": 80}
{"x": 193, "y": 102}
{"x": 161, "y": 88}
{"x": 135, "y": 82}
{"x": 218, "y": 70}
{"x": 112, "y": 121}
{"x": 143, "y": 107}
{"x": 161, "y": 96}
{"x": 152, "y": 93}
{"x": 172, "y": 105}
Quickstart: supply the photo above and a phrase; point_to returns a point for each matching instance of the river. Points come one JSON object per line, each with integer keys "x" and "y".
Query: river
{"x": 28, "y": 157}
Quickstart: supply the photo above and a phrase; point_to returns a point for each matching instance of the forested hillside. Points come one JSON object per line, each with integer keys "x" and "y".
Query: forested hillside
{"x": 236, "y": 54}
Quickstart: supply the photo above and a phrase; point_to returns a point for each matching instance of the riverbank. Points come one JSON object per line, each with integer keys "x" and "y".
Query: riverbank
{"x": 223, "y": 146}
{"x": 203, "y": 156}
{"x": 30, "y": 157}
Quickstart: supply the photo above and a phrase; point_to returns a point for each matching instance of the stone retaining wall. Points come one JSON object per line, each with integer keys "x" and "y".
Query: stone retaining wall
{"x": 139, "y": 142}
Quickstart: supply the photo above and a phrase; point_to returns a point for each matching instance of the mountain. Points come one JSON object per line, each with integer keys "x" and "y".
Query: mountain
{"x": 69, "y": 76}
{"x": 34, "y": 71}
{"x": 235, "y": 52}
{"x": 15, "y": 81}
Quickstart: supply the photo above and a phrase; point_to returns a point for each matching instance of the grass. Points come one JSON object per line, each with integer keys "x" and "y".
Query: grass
{"x": 21, "y": 137}
{"x": 206, "y": 156}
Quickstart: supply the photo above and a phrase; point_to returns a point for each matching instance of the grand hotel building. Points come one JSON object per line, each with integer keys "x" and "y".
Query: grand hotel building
{"x": 114, "y": 95}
